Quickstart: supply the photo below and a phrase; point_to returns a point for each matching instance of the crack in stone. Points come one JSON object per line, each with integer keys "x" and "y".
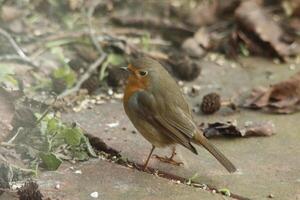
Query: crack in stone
{"x": 112, "y": 155}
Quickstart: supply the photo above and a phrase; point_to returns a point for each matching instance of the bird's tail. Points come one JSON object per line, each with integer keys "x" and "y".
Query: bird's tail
{"x": 201, "y": 140}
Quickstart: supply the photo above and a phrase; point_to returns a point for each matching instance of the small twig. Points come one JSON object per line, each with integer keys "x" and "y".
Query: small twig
{"x": 91, "y": 29}
{"x": 7, "y": 145}
{"x": 18, "y": 58}
{"x": 152, "y": 22}
{"x": 15, "y": 136}
{"x": 14, "y": 44}
{"x": 84, "y": 77}
{"x": 46, "y": 111}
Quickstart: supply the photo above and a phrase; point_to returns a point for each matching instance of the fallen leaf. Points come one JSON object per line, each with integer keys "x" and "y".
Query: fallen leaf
{"x": 192, "y": 48}
{"x": 230, "y": 129}
{"x": 256, "y": 26}
{"x": 204, "y": 14}
{"x": 72, "y": 136}
{"x": 283, "y": 97}
{"x": 183, "y": 67}
{"x": 258, "y": 129}
{"x": 221, "y": 129}
{"x": 10, "y": 13}
{"x": 50, "y": 161}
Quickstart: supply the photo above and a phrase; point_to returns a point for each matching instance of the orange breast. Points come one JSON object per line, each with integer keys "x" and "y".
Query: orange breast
{"x": 134, "y": 84}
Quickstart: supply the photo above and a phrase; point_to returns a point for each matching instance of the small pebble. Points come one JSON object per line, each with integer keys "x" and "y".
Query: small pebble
{"x": 57, "y": 186}
{"x": 119, "y": 95}
{"x": 78, "y": 172}
{"x": 110, "y": 92}
{"x": 220, "y": 62}
{"x": 233, "y": 65}
{"x": 99, "y": 102}
{"x": 292, "y": 67}
{"x": 112, "y": 125}
{"x": 180, "y": 83}
{"x": 214, "y": 191}
{"x": 94, "y": 195}
{"x": 271, "y": 196}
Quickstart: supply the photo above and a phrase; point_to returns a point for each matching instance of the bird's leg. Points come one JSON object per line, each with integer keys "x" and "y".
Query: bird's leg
{"x": 170, "y": 159}
{"x": 147, "y": 161}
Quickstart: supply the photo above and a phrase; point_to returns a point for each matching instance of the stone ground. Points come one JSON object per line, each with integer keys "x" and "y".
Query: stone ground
{"x": 268, "y": 165}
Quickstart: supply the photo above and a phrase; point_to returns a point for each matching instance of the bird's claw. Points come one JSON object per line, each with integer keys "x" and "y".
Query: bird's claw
{"x": 169, "y": 160}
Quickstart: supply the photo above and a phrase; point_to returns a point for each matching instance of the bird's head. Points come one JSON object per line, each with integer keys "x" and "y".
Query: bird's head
{"x": 142, "y": 71}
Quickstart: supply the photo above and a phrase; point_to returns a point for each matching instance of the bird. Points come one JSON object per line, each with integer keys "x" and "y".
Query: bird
{"x": 157, "y": 108}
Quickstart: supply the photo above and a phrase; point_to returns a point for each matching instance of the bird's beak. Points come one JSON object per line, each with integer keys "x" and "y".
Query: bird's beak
{"x": 125, "y": 68}
{"x": 128, "y": 69}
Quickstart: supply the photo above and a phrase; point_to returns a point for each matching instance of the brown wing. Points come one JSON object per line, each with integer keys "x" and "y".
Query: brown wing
{"x": 182, "y": 131}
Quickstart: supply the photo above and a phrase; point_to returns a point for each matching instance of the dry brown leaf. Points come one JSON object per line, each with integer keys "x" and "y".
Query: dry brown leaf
{"x": 258, "y": 129}
{"x": 283, "y": 97}
{"x": 230, "y": 129}
{"x": 204, "y": 14}
{"x": 192, "y": 48}
{"x": 260, "y": 28}
{"x": 10, "y": 13}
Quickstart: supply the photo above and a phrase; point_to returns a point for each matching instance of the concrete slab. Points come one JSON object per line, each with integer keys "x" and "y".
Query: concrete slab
{"x": 268, "y": 165}
{"x": 114, "y": 182}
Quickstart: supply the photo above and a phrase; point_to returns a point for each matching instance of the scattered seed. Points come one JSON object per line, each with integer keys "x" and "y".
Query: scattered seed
{"x": 94, "y": 195}
{"x": 113, "y": 125}
{"x": 78, "y": 172}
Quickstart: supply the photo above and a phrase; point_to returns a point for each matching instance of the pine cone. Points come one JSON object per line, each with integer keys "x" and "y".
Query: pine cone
{"x": 211, "y": 103}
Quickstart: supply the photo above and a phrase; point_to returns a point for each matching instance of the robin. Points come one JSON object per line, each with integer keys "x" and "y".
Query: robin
{"x": 157, "y": 108}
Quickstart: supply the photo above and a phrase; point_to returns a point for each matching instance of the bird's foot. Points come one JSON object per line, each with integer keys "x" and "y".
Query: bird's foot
{"x": 169, "y": 160}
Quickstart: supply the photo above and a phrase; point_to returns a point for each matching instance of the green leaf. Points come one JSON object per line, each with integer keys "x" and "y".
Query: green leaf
{"x": 115, "y": 59}
{"x": 50, "y": 161}
{"x": 57, "y": 50}
{"x": 244, "y": 50}
{"x": 11, "y": 80}
{"x": 53, "y": 126}
{"x": 57, "y": 43}
{"x": 5, "y": 70}
{"x": 72, "y": 136}
{"x": 112, "y": 59}
{"x": 225, "y": 191}
{"x": 145, "y": 40}
{"x": 6, "y": 77}
{"x": 89, "y": 147}
{"x": 65, "y": 73}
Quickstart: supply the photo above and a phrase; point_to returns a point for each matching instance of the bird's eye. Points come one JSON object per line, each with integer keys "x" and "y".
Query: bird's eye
{"x": 143, "y": 73}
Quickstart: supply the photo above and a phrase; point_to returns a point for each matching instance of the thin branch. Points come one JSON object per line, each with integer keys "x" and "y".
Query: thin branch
{"x": 16, "y": 135}
{"x": 10, "y": 57}
{"x": 46, "y": 111}
{"x": 90, "y": 14}
{"x": 14, "y": 44}
{"x": 84, "y": 77}
{"x": 17, "y": 167}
